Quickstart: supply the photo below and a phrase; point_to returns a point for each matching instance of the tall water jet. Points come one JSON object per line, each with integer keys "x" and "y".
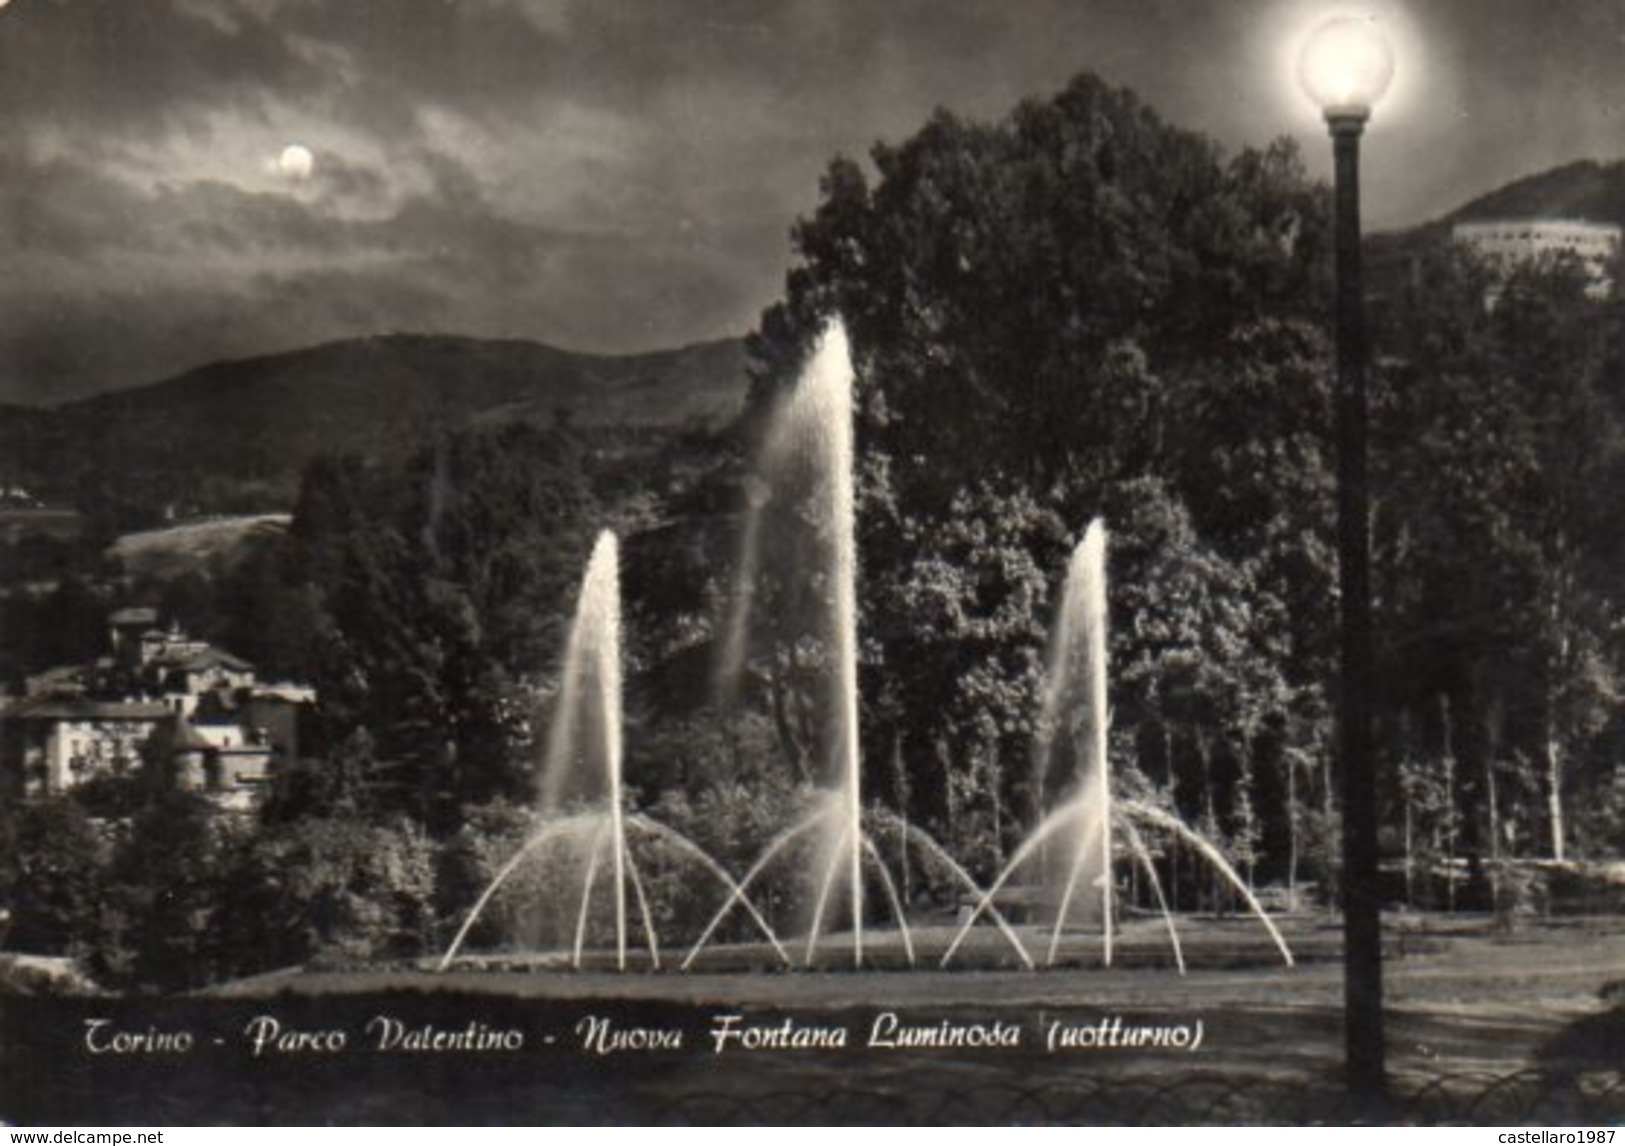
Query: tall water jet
{"x": 1072, "y": 846}
{"x": 581, "y": 796}
{"x": 1084, "y": 819}
{"x": 823, "y": 404}
{"x": 809, "y": 456}
{"x": 586, "y": 726}
{"x": 1075, "y": 688}
{"x": 815, "y": 430}
{"x": 588, "y": 722}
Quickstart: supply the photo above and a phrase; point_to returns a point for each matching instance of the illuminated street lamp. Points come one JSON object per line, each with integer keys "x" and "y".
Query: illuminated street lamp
{"x": 1345, "y": 67}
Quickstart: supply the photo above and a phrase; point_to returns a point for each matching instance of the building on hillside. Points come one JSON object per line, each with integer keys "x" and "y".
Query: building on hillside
{"x": 56, "y": 743}
{"x": 124, "y": 630}
{"x": 1510, "y": 241}
{"x": 65, "y": 680}
{"x": 186, "y": 672}
{"x": 58, "y": 523}
{"x": 162, "y": 697}
{"x": 230, "y": 762}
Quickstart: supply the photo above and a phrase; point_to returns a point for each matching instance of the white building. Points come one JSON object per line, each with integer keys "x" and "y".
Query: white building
{"x": 195, "y": 704}
{"x": 59, "y": 743}
{"x": 1509, "y": 241}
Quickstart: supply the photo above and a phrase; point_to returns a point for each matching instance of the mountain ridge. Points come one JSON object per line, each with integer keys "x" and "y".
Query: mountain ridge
{"x": 280, "y": 358}
{"x": 1582, "y": 189}
{"x": 251, "y": 424}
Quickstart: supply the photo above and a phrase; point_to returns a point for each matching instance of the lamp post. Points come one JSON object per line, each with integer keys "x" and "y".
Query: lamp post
{"x": 1345, "y": 68}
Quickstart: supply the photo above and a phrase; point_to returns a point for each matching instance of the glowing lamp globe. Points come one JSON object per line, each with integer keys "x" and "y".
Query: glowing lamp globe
{"x": 1346, "y": 66}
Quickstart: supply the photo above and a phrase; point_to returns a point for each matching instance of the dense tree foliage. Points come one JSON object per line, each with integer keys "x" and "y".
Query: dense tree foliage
{"x": 420, "y": 600}
{"x": 326, "y": 888}
{"x": 52, "y": 877}
{"x": 1082, "y": 311}
{"x": 1078, "y": 311}
{"x": 1503, "y": 449}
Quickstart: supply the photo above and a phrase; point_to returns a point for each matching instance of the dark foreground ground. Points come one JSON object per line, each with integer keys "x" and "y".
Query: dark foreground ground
{"x": 1483, "y": 1028}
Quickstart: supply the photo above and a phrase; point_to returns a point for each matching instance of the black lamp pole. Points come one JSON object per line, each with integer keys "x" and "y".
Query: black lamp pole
{"x": 1362, "y": 920}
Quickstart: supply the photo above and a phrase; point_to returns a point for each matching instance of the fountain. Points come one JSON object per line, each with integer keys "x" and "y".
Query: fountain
{"x": 809, "y": 454}
{"x": 1086, "y": 819}
{"x": 582, "y": 799}
{"x": 812, "y": 438}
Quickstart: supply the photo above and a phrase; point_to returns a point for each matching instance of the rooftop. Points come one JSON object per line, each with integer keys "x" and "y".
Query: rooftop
{"x": 195, "y": 660}
{"x": 77, "y": 708}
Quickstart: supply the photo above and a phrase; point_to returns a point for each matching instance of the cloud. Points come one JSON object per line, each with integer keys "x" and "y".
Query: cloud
{"x": 609, "y": 174}
{"x": 138, "y": 69}
{"x": 214, "y": 270}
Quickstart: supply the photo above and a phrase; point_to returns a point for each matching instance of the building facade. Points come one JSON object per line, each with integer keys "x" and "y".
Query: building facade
{"x": 1510, "y": 241}
{"x": 160, "y": 697}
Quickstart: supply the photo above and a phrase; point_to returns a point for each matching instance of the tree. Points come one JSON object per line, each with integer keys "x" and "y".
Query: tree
{"x": 53, "y": 865}
{"x": 329, "y": 888}
{"x": 429, "y": 594}
{"x": 162, "y": 893}
{"x": 1077, "y": 311}
{"x": 958, "y": 631}
{"x": 341, "y": 783}
{"x": 1501, "y": 436}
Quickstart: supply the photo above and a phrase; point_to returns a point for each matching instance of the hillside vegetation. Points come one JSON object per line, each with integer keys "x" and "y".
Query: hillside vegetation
{"x": 233, "y": 436}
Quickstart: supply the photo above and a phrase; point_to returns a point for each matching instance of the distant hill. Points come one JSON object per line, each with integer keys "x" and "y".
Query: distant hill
{"x": 1583, "y": 190}
{"x": 1586, "y": 189}
{"x": 252, "y": 424}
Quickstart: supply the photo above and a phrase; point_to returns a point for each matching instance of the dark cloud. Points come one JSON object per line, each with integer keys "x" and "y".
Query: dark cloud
{"x": 140, "y": 69}
{"x": 213, "y": 271}
{"x": 614, "y": 174}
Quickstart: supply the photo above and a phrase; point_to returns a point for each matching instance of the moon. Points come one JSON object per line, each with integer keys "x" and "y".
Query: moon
{"x": 296, "y": 162}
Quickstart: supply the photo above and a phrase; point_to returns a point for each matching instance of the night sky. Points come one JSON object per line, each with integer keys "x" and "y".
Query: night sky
{"x": 188, "y": 180}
